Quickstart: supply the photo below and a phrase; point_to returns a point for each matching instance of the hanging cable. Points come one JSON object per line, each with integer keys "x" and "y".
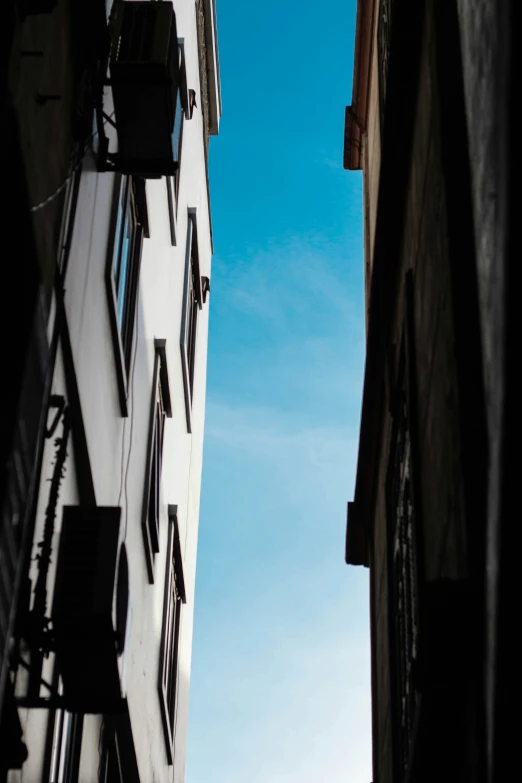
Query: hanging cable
{"x": 64, "y": 184}
{"x": 122, "y": 468}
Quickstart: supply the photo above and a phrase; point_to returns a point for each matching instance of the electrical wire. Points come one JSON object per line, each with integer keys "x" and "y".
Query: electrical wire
{"x": 122, "y": 469}
{"x": 57, "y": 192}
{"x": 64, "y": 184}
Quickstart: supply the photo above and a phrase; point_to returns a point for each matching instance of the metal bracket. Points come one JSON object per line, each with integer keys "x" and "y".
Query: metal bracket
{"x": 205, "y": 285}
{"x": 109, "y": 119}
{"x": 53, "y": 703}
{"x": 43, "y": 682}
{"x": 55, "y": 401}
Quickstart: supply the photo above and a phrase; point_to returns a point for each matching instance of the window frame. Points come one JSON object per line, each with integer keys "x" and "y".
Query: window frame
{"x": 170, "y": 633}
{"x": 402, "y": 567}
{"x": 65, "y": 750}
{"x": 129, "y": 199}
{"x": 117, "y": 737}
{"x": 111, "y": 752}
{"x": 160, "y": 404}
{"x": 192, "y": 304}
{"x": 405, "y": 564}
{"x": 61, "y": 747}
{"x": 173, "y": 182}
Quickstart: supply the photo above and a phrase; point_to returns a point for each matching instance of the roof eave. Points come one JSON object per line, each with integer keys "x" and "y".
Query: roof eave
{"x": 356, "y": 114}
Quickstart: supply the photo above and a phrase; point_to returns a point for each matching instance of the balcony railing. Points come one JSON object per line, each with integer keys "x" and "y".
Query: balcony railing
{"x": 20, "y": 485}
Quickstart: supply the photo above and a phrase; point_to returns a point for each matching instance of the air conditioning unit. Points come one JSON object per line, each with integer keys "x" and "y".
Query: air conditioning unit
{"x": 90, "y": 609}
{"x": 145, "y": 75}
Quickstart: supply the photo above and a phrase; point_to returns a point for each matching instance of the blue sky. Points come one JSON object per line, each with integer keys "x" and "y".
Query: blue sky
{"x": 280, "y": 688}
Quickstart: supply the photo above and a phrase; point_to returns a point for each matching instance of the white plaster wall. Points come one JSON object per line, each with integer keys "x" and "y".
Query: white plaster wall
{"x": 112, "y": 438}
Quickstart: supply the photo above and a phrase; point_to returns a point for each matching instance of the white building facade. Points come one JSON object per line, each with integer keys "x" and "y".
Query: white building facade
{"x": 103, "y": 660}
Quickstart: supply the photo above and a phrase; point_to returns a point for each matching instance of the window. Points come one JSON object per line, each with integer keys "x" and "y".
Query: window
{"x": 126, "y": 244}
{"x": 157, "y": 450}
{"x": 403, "y": 527}
{"x": 66, "y": 747}
{"x": 180, "y": 112}
{"x": 160, "y": 410}
{"x": 179, "y": 116}
{"x": 111, "y": 764}
{"x": 174, "y": 598}
{"x": 118, "y": 762}
{"x": 61, "y": 747}
{"x": 403, "y": 573}
{"x": 192, "y": 303}
{"x": 123, "y": 268}
{"x": 172, "y": 201}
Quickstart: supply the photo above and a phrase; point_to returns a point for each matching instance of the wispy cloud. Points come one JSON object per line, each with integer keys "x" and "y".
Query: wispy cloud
{"x": 282, "y": 489}
{"x": 285, "y": 696}
{"x": 281, "y": 670}
{"x": 332, "y": 163}
{"x": 264, "y": 433}
{"x": 295, "y": 321}
{"x": 299, "y": 276}
{"x": 299, "y": 715}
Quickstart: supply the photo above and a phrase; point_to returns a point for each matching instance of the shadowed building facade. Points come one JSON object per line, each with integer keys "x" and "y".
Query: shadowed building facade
{"x": 430, "y": 125}
{"x": 107, "y": 111}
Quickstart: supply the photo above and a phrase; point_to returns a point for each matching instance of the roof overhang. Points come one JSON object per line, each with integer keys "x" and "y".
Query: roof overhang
{"x": 401, "y": 101}
{"x": 357, "y": 550}
{"x": 356, "y": 114}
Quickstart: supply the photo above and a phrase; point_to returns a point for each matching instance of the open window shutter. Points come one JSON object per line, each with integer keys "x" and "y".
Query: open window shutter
{"x": 196, "y": 270}
{"x": 174, "y": 67}
{"x": 140, "y": 194}
{"x": 184, "y": 94}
